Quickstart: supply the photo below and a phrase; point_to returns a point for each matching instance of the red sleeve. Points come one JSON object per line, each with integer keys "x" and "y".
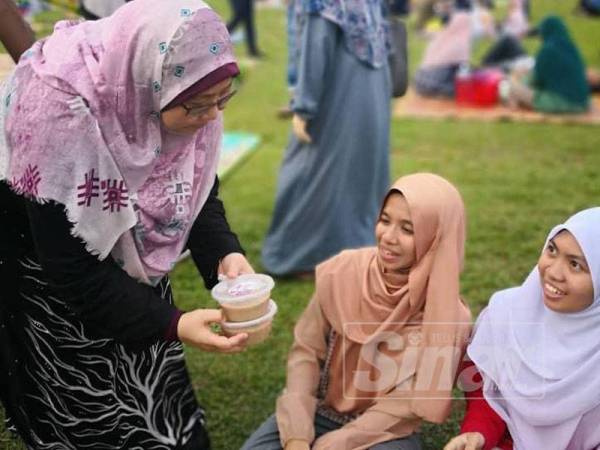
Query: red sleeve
{"x": 479, "y": 415}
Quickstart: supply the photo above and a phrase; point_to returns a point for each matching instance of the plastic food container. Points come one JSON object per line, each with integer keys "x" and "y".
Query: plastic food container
{"x": 244, "y": 298}
{"x": 258, "y": 329}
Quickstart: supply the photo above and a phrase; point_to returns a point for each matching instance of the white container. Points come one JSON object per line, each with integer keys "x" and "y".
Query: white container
{"x": 258, "y": 329}
{"x": 244, "y": 298}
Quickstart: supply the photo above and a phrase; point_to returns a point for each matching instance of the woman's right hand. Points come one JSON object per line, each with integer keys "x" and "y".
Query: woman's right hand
{"x": 466, "y": 441}
{"x": 194, "y": 328}
{"x": 296, "y": 444}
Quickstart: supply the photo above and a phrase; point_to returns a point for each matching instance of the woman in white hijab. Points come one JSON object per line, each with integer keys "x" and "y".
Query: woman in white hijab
{"x": 537, "y": 349}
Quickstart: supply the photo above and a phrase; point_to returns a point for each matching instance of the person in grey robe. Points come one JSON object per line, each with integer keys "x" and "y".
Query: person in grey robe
{"x": 336, "y": 167}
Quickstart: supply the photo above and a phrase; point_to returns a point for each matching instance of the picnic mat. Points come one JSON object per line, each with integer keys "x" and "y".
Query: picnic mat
{"x": 414, "y": 106}
{"x": 236, "y": 147}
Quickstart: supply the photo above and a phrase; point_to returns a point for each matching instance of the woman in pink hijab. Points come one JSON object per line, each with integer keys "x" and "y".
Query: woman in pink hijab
{"x": 364, "y": 371}
{"x": 108, "y": 153}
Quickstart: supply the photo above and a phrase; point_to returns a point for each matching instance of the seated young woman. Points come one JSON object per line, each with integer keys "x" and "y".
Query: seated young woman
{"x": 532, "y": 382}
{"x": 375, "y": 352}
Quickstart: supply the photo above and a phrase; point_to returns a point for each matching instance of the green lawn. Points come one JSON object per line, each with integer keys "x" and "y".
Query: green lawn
{"x": 518, "y": 180}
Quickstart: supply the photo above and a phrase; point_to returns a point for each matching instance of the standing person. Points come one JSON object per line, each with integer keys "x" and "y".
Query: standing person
{"x": 517, "y": 19}
{"x": 107, "y": 171}
{"x": 424, "y": 10}
{"x": 536, "y": 347}
{"x": 96, "y": 9}
{"x": 243, "y": 12}
{"x": 292, "y": 57}
{"x": 15, "y": 33}
{"x": 336, "y": 165}
{"x": 364, "y": 371}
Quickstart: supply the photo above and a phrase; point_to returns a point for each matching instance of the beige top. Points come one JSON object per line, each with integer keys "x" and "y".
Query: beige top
{"x": 297, "y": 406}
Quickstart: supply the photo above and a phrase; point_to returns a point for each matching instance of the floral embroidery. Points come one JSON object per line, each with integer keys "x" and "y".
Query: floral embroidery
{"x": 214, "y": 48}
{"x": 156, "y": 86}
{"x": 163, "y": 47}
{"x": 185, "y": 12}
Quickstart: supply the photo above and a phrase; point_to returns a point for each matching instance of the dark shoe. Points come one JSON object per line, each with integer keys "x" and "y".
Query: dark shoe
{"x": 256, "y": 55}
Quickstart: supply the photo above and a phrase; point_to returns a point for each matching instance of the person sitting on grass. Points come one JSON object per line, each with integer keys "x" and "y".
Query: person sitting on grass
{"x": 361, "y": 372}
{"x": 449, "y": 50}
{"x": 557, "y": 83}
{"x": 536, "y": 347}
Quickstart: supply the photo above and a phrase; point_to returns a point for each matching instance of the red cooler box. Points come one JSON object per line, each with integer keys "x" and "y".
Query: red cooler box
{"x": 479, "y": 88}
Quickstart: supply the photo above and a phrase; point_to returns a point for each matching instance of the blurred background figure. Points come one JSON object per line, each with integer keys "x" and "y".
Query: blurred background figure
{"x": 243, "y": 12}
{"x": 96, "y": 9}
{"x": 426, "y": 10}
{"x": 15, "y": 34}
{"x": 507, "y": 49}
{"x": 336, "y": 166}
{"x": 292, "y": 58}
{"x": 29, "y": 8}
{"x": 517, "y": 19}
{"x": 399, "y": 7}
{"x": 423, "y": 12}
{"x": 557, "y": 83}
{"x": 445, "y": 54}
{"x": 591, "y": 7}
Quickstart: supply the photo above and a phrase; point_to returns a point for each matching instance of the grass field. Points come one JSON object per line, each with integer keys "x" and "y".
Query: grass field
{"x": 518, "y": 180}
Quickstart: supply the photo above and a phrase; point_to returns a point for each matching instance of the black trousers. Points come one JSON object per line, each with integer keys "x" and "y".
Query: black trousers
{"x": 243, "y": 12}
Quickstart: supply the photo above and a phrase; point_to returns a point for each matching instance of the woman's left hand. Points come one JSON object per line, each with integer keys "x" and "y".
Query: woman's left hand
{"x": 234, "y": 264}
{"x": 299, "y": 126}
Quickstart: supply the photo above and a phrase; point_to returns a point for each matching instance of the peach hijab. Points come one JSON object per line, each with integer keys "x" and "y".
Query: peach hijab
{"x": 420, "y": 316}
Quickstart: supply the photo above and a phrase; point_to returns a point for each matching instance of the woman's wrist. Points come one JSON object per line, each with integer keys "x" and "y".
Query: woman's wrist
{"x": 171, "y": 332}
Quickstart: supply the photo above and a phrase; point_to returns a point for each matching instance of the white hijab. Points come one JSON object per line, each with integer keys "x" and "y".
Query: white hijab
{"x": 541, "y": 369}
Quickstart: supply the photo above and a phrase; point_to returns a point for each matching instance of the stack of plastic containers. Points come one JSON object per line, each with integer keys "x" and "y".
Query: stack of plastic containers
{"x": 247, "y": 305}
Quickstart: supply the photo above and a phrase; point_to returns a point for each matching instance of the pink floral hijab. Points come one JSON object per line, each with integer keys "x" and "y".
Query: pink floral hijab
{"x": 81, "y": 122}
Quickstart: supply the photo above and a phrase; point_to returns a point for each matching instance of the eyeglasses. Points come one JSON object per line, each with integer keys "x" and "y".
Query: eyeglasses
{"x": 197, "y": 111}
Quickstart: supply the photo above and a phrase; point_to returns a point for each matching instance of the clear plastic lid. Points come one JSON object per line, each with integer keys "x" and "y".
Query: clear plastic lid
{"x": 246, "y": 287}
{"x": 252, "y": 323}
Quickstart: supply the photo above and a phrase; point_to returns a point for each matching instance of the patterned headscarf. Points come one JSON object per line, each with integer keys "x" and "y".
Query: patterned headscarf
{"x": 362, "y": 21}
{"x": 81, "y": 115}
